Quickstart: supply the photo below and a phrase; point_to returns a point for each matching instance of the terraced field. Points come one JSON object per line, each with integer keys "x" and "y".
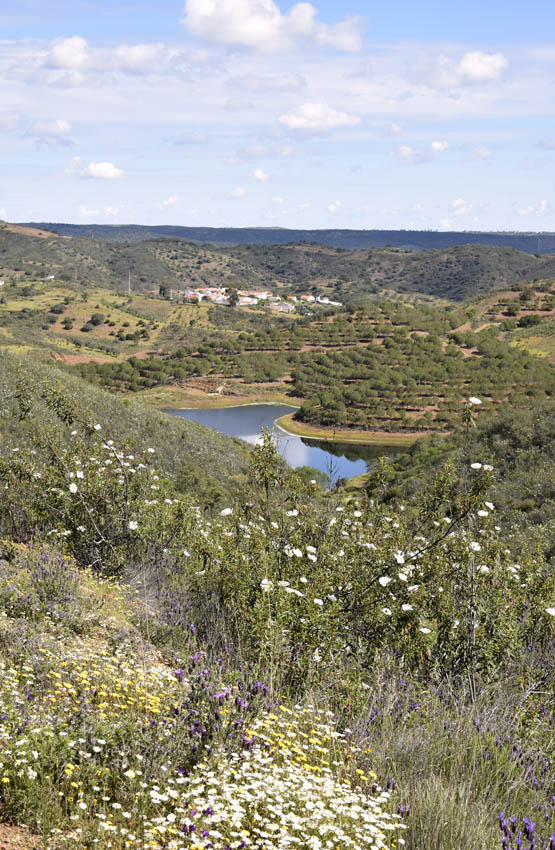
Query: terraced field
{"x": 384, "y": 366}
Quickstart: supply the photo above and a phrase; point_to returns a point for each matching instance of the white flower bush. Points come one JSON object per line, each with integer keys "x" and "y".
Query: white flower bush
{"x": 105, "y": 743}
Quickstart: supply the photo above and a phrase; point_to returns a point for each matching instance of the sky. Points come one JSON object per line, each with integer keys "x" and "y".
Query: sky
{"x": 261, "y": 113}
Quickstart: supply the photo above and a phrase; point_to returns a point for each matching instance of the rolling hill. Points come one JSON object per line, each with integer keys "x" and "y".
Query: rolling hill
{"x": 535, "y": 243}
{"x": 454, "y": 273}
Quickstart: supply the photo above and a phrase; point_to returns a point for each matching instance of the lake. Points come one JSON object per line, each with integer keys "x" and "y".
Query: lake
{"x": 337, "y": 460}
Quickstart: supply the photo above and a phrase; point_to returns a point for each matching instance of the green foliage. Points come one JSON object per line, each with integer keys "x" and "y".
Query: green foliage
{"x": 203, "y": 461}
{"x": 385, "y": 366}
{"x": 519, "y": 444}
{"x": 164, "y": 263}
{"x": 427, "y": 628}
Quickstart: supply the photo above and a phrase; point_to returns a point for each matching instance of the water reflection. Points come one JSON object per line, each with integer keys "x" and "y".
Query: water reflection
{"x": 337, "y": 460}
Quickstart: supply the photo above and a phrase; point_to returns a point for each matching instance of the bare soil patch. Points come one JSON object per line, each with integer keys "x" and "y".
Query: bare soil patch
{"x": 17, "y": 838}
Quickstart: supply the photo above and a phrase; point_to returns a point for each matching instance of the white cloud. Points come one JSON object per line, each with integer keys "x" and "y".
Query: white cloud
{"x": 334, "y": 207}
{"x": 460, "y": 207}
{"x": 473, "y": 68}
{"x": 85, "y": 212}
{"x": 260, "y": 175}
{"x": 408, "y": 155}
{"x": 393, "y": 129}
{"x": 103, "y": 171}
{"x": 317, "y": 117}
{"x": 478, "y": 67}
{"x": 261, "y": 25}
{"x": 236, "y": 194}
{"x": 171, "y": 201}
{"x": 343, "y": 35}
{"x": 542, "y": 208}
{"x": 139, "y": 58}
{"x": 480, "y": 153}
{"x": 3, "y": 213}
{"x": 73, "y": 165}
{"x": 447, "y": 71}
{"x": 278, "y": 200}
{"x": 411, "y": 156}
{"x": 70, "y": 53}
{"x": 56, "y": 131}
{"x": 304, "y": 205}
{"x": 110, "y": 210}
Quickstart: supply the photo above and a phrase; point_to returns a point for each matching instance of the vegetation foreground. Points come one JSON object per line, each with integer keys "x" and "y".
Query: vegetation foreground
{"x": 296, "y": 669}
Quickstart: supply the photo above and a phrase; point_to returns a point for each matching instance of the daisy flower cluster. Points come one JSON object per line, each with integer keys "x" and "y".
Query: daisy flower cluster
{"x": 77, "y": 728}
{"x": 291, "y": 788}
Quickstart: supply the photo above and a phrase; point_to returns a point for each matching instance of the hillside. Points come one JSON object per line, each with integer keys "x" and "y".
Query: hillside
{"x": 199, "y": 459}
{"x": 183, "y": 622}
{"x": 454, "y": 273}
{"x": 386, "y": 366}
{"x": 294, "y": 669}
{"x": 534, "y": 243}
{"x": 519, "y": 444}
{"x": 390, "y": 365}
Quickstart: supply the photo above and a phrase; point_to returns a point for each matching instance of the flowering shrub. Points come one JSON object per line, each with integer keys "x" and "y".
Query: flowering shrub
{"x": 300, "y": 586}
{"x": 310, "y": 589}
{"x": 93, "y": 741}
{"x": 153, "y": 711}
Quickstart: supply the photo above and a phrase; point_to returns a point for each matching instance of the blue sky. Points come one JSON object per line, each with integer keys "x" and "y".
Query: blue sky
{"x": 260, "y": 113}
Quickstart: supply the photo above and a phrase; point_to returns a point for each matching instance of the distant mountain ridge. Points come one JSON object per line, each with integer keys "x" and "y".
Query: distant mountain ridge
{"x": 531, "y": 243}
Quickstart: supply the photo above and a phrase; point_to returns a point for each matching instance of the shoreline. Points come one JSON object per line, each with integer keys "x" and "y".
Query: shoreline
{"x": 370, "y": 438}
{"x": 286, "y": 424}
{"x": 231, "y": 406}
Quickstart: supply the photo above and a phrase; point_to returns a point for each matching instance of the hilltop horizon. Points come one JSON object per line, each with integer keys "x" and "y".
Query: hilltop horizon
{"x": 131, "y": 223}
{"x": 533, "y": 242}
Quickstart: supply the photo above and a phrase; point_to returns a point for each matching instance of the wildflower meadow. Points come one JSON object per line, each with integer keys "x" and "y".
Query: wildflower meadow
{"x": 299, "y": 668}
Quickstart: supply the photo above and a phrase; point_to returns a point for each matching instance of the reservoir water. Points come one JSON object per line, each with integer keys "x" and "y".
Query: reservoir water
{"x": 335, "y": 459}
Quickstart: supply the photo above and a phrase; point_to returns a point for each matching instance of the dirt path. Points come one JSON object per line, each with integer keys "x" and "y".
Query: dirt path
{"x": 16, "y": 838}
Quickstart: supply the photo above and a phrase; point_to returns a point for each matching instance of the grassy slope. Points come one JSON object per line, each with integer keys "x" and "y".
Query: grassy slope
{"x": 515, "y": 307}
{"x": 198, "y": 458}
{"x": 86, "y": 649}
{"x": 344, "y": 435}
